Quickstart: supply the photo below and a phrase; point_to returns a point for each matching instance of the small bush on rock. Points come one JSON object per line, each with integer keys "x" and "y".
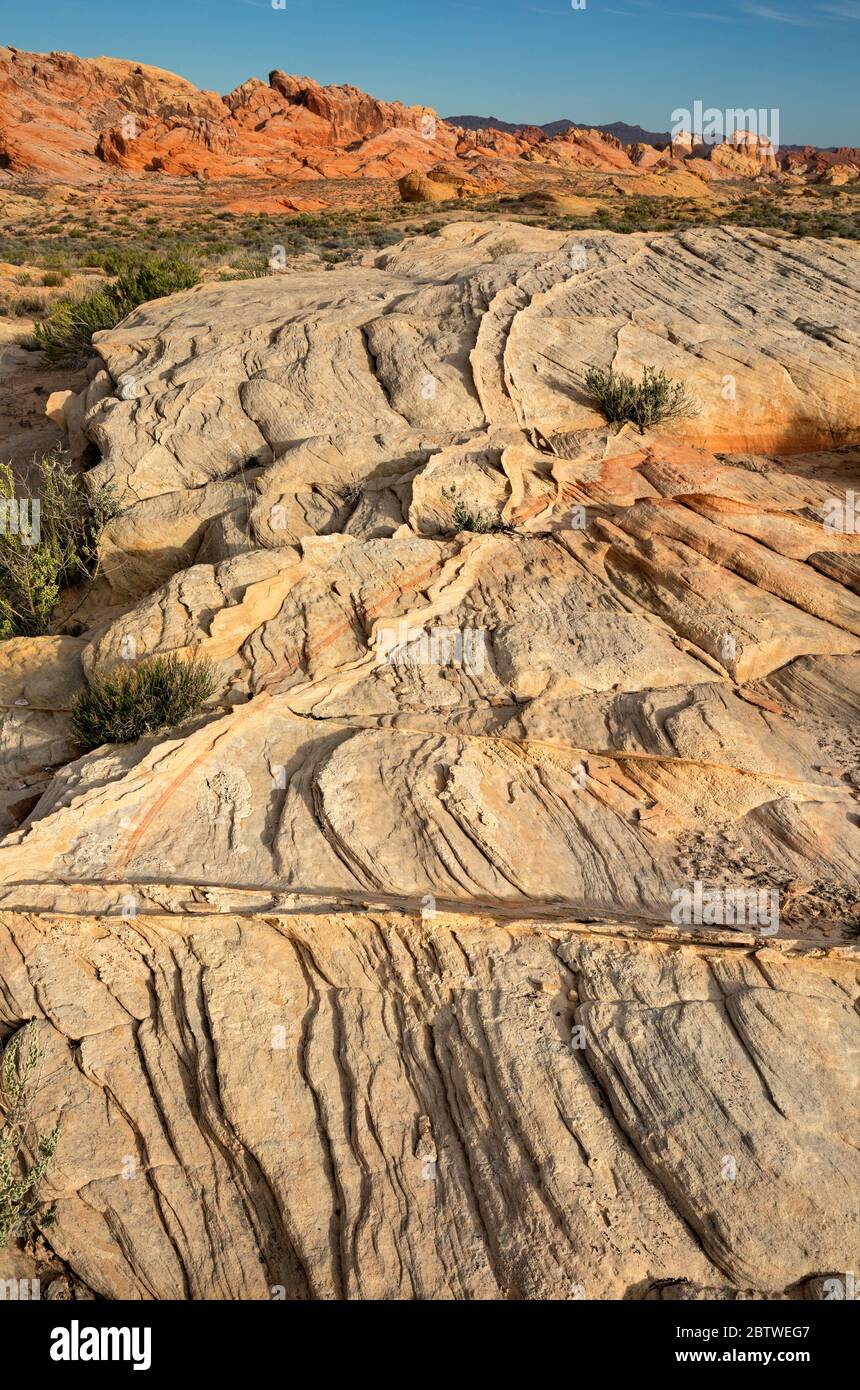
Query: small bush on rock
{"x": 140, "y": 699}
{"x": 647, "y": 402}
{"x": 481, "y": 522}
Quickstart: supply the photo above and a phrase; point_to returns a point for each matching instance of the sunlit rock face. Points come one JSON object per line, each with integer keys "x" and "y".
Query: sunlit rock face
{"x": 486, "y": 933}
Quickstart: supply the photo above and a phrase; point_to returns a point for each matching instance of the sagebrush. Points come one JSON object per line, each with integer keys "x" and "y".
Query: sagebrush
{"x": 464, "y": 518}
{"x": 36, "y": 563}
{"x": 66, "y": 335}
{"x": 647, "y": 402}
{"x": 140, "y": 699}
{"x": 20, "y": 1204}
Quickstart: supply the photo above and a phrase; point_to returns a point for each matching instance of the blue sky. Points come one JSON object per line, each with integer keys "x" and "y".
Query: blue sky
{"x": 538, "y": 60}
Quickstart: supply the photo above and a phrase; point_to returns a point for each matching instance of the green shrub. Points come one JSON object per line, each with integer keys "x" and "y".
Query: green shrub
{"x": 151, "y": 279}
{"x": 246, "y": 268}
{"x": 20, "y": 1207}
{"x": 483, "y": 523}
{"x": 34, "y": 569}
{"x": 140, "y": 699}
{"x": 67, "y": 336}
{"x": 648, "y": 402}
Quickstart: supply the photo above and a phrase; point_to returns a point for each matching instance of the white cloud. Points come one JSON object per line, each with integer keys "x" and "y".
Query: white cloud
{"x": 848, "y": 9}
{"x": 707, "y": 15}
{"x": 779, "y": 16}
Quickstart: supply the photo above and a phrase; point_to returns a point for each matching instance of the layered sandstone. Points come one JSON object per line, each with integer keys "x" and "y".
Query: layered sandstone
{"x": 74, "y": 120}
{"x": 368, "y": 1105}
{"x": 366, "y": 982}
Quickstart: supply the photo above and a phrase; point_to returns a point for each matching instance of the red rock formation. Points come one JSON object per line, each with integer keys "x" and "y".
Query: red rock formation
{"x": 590, "y": 149}
{"x": 66, "y": 118}
{"x": 69, "y": 119}
{"x": 645, "y": 156}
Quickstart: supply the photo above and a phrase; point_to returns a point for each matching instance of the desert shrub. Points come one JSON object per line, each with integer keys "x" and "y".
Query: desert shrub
{"x": 140, "y": 699}
{"x": 53, "y": 278}
{"x": 67, "y": 335}
{"x": 35, "y": 566}
{"x": 152, "y": 280}
{"x": 20, "y": 1207}
{"x": 815, "y": 220}
{"x": 256, "y": 273}
{"x": 645, "y": 214}
{"x": 462, "y": 519}
{"x": 24, "y": 304}
{"x": 246, "y": 267}
{"x": 350, "y": 493}
{"x": 385, "y": 236}
{"x": 647, "y": 402}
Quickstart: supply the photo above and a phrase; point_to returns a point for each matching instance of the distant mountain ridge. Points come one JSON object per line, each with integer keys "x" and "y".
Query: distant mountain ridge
{"x": 627, "y": 134}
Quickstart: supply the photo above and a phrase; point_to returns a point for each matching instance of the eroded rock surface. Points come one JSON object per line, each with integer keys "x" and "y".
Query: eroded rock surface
{"x": 372, "y": 1106}
{"x": 371, "y": 981}
{"x": 483, "y": 328}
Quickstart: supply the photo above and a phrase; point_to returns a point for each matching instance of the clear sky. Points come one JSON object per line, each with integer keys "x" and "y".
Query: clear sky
{"x": 522, "y": 60}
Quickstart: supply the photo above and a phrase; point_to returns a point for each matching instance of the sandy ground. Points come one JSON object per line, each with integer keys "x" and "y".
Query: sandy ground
{"x": 27, "y": 381}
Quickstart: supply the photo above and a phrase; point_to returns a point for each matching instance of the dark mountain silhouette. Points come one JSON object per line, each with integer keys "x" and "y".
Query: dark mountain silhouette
{"x": 627, "y": 134}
